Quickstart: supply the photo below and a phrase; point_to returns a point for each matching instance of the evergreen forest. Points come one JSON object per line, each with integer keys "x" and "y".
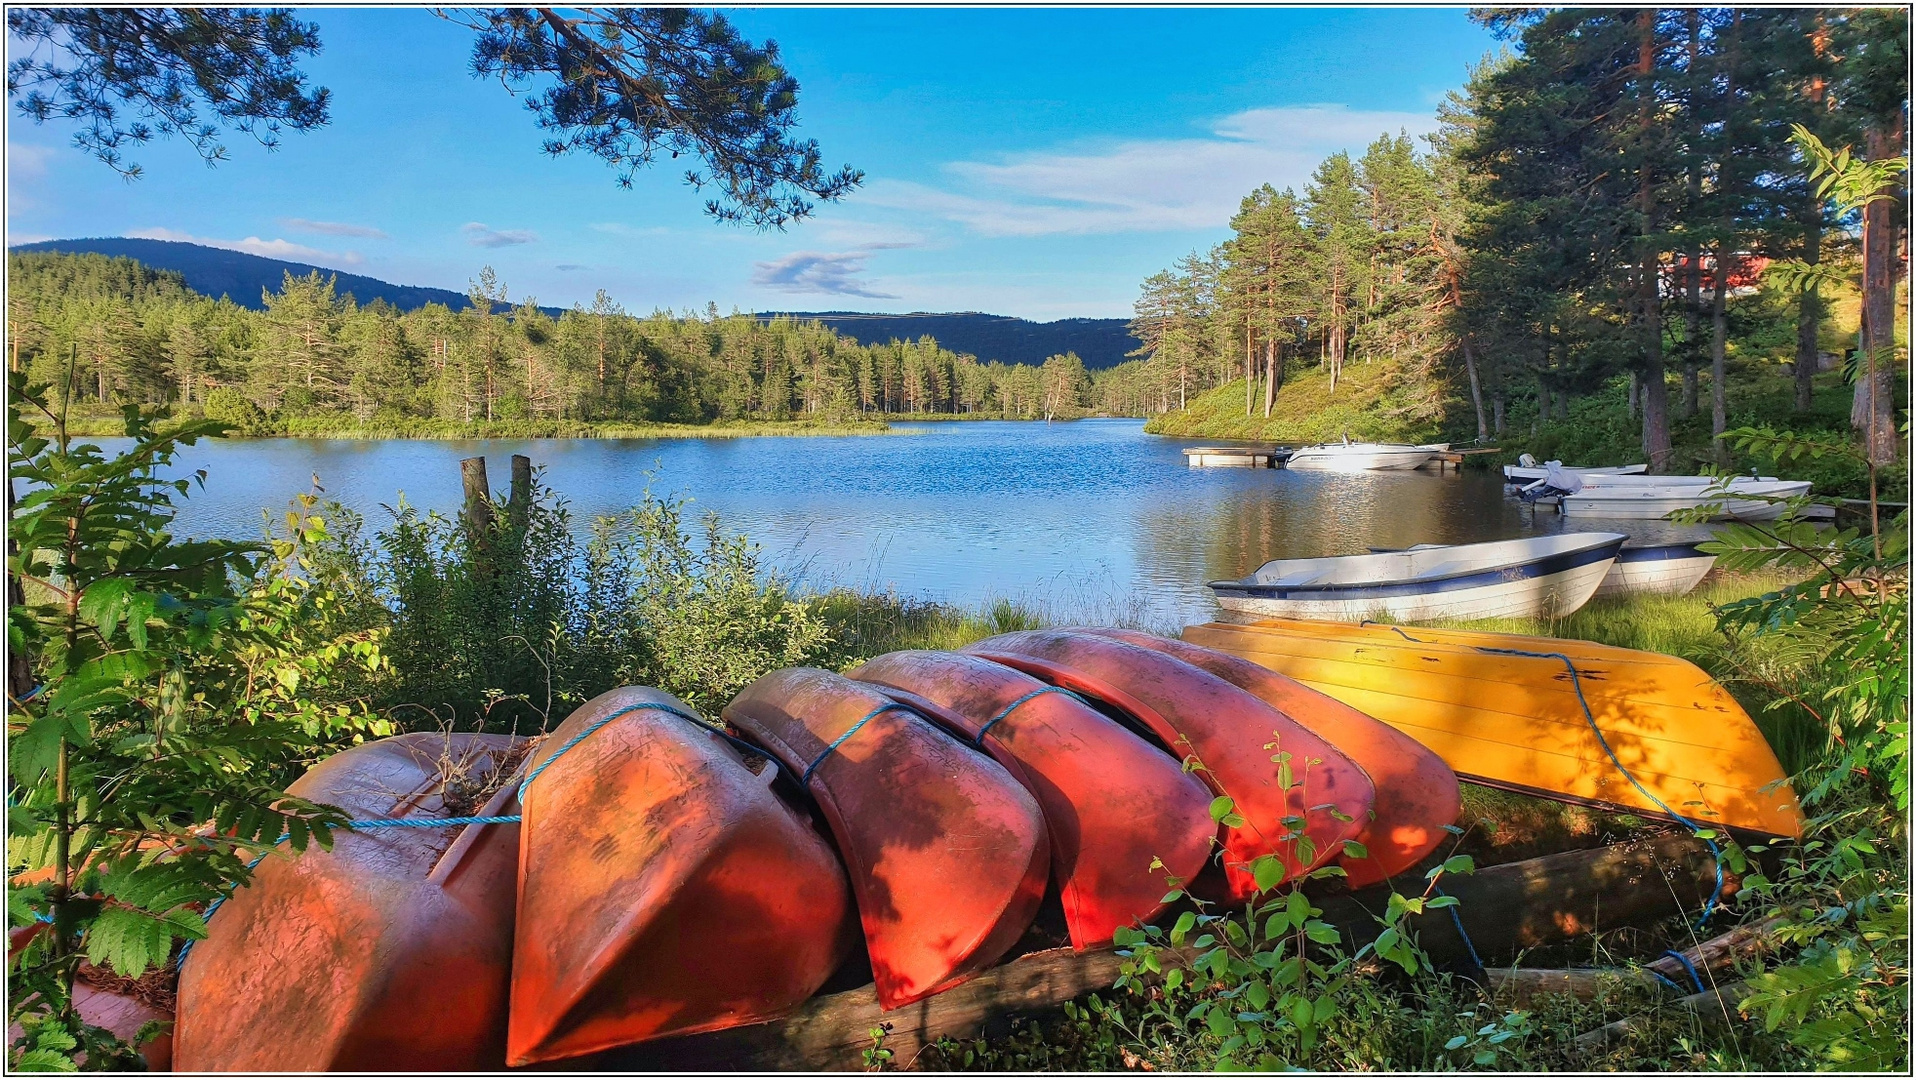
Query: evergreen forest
{"x": 110, "y": 331}
{"x": 1621, "y": 201}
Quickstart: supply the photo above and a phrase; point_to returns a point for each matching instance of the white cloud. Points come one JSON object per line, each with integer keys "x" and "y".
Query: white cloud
{"x": 828, "y": 273}
{"x": 481, "y": 235}
{"x": 331, "y": 228}
{"x": 252, "y": 245}
{"x": 1148, "y": 185}
{"x": 26, "y": 161}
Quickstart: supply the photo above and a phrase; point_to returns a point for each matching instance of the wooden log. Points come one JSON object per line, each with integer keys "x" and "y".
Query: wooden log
{"x": 519, "y": 503}
{"x": 1517, "y": 905}
{"x": 478, "y": 509}
{"x": 1712, "y": 1006}
{"x": 832, "y": 1032}
{"x": 1544, "y": 901}
{"x": 1519, "y": 985}
{"x": 1721, "y": 951}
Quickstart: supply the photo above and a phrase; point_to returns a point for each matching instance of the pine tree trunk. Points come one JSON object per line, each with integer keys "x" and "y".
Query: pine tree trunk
{"x": 1656, "y": 396}
{"x": 1270, "y": 375}
{"x": 1719, "y": 334}
{"x": 1873, "y": 409}
{"x": 1476, "y": 391}
{"x": 1692, "y": 308}
{"x": 1497, "y": 413}
{"x": 1809, "y": 313}
{"x": 1250, "y": 372}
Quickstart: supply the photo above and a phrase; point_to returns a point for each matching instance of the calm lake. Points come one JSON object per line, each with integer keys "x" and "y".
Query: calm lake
{"x": 1090, "y": 520}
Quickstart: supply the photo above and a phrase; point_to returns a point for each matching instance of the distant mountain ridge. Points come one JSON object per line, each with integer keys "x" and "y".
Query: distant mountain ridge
{"x": 215, "y": 272}
{"x": 1100, "y": 343}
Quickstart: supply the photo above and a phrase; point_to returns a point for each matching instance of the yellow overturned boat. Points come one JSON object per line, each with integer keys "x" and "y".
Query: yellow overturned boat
{"x": 1502, "y": 711}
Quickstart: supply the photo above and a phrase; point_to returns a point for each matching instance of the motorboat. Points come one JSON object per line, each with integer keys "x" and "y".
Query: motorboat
{"x": 1538, "y": 576}
{"x": 1350, "y": 456}
{"x": 1528, "y": 471}
{"x": 1747, "y": 500}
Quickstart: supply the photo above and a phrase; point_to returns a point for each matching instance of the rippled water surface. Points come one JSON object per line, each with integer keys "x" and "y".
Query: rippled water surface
{"x": 1087, "y": 520}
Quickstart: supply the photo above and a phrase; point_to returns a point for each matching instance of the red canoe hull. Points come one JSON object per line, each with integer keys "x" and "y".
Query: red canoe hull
{"x": 1417, "y": 794}
{"x": 391, "y": 952}
{"x": 1112, "y": 802}
{"x": 1229, "y": 733}
{"x": 948, "y": 853}
{"x": 664, "y": 888}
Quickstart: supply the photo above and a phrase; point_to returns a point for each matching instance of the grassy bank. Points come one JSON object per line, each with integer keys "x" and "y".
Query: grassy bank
{"x": 348, "y": 427}
{"x": 1377, "y": 400}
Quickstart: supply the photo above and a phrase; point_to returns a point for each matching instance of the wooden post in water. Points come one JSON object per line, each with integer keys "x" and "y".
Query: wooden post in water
{"x": 519, "y": 504}
{"x": 478, "y": 511}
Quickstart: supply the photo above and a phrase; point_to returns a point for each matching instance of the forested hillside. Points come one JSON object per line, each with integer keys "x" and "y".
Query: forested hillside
{"x": 217, "y": 272}
{"x": 128, "y": 333}
{"x": 1102, "y": 343}
{"x": 1594, "y": 216}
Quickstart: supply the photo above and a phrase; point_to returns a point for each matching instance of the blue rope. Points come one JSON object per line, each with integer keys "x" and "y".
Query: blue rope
{"x": 499, "y": 819}
{"x": 1716, "y": 853}
{"x": 595, "y": 725}
{"x": 1689, "y": 967}
{"x": 979, "y": 739}
{"x": 1458, "y": 920}
{"x": 892, "y": 706}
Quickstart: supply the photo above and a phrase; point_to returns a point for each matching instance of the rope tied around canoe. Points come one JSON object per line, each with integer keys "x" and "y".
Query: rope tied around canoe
{"x": 493, "y": 819}
{"x": 1576, "y": 683}
{"x": 890, "y": 706}
{"x": 979, "y": 739}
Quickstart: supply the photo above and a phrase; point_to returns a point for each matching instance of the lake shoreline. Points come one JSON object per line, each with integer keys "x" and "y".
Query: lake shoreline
{"x": 434, "y": 431}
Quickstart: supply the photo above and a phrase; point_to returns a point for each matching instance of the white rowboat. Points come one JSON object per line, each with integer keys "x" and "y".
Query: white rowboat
{"x": 1539, "y": 576}
{"x": 1669, "y": 569}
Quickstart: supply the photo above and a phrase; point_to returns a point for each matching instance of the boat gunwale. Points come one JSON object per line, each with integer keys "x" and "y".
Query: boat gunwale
{"x": 1477, "y": 577}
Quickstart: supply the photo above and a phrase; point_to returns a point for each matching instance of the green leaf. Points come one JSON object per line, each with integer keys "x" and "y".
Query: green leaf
{"x": 1221, "y": 807}
{"x": 1268, "y": 871}
{"x": 1355, "y": 850}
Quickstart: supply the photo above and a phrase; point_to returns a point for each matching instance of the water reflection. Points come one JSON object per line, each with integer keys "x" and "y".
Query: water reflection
{"x": 1092, "y": 520}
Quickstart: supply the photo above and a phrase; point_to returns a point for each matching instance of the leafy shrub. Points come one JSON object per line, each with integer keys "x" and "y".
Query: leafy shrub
{"x": 514, "y": 624}
{"x": 161, "y": 694}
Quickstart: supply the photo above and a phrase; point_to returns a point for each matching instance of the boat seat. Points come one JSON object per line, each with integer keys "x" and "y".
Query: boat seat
{"x": 1444, "y": 569}
{"x": 1298, "y": 577}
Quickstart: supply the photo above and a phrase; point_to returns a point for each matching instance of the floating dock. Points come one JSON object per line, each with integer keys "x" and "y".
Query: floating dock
{"x": 1236, "y": 457}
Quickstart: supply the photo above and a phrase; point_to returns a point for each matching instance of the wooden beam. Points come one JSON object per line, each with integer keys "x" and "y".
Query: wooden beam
{"x": 1517, "y": 905}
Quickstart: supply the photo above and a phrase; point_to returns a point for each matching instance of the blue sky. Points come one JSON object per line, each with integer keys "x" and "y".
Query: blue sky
{"x": 1037, "y": 163}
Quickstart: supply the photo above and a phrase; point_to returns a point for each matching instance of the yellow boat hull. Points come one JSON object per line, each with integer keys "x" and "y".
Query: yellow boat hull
{"x": 1514, "y": 721}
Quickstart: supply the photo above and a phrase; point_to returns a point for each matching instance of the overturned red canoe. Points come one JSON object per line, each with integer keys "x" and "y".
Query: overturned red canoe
{"x": 947, "y": 852}
{"x": 1112, "y": 802}
{"x": 391, "y": 952}
{"x": 664, "y": 887}
{"x": 1233, "y": 736}
{"x": 1417, "y": 794}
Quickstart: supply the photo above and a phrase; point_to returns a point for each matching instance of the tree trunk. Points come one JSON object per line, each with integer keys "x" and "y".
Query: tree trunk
{"x": 1497, "y": 412}
{"x": 1250, "y": 372}
{"x": 1270, "y": 376}
{"x": 1634, "y": 391}
{"x": 1476, "y": 391}
{"x": 1719, "y": 332}
{"x": 1656, "y": 396}
{"x": 1693, "y": 285}
{"x": 1809, "y": 315}
{"x": 1873, "y": 410}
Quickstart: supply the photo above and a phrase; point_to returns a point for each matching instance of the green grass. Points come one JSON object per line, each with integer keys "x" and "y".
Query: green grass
{"x": 1374, "y": 400}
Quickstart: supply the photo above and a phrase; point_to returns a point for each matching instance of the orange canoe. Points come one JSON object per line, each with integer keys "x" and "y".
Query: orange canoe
{"x": 391, "y": 952}
{"x": 1233, "y": 736}
{"x": 664, "y": 886}
{"x": 947, "y": 852}
{"x": 1112, "y": 802}
{"x": 1417, "y": 794}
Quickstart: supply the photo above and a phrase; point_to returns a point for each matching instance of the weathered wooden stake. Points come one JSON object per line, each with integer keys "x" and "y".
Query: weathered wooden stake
{"x": 519, "y": 504}
{"x": 478, "y": 512}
